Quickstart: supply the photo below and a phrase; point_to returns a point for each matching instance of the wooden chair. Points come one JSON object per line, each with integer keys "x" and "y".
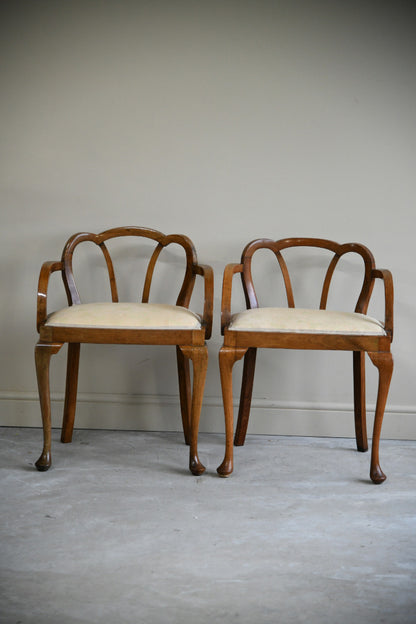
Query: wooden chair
{"x": 295, "y": 328}
{"x": 125, "y": 323}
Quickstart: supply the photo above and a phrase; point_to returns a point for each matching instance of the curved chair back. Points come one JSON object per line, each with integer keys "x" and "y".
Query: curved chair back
{"x": 338, "y": 250}
{"x": 100, "y": 240}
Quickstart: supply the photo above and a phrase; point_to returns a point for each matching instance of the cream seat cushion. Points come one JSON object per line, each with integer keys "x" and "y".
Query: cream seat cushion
{"x": 306, "y": 321}
{"x": 126, "y": 316}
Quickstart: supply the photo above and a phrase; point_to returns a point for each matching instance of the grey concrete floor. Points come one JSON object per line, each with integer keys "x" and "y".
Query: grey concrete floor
{"x": 118, "y": 531}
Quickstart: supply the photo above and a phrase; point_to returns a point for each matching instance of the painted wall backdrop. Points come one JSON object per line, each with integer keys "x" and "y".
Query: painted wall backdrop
{"x": 226, "y": 121}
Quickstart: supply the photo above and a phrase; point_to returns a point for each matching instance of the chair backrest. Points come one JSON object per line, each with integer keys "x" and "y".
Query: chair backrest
{"x": 338, "y": 250}
{"x": 161, "y": 241}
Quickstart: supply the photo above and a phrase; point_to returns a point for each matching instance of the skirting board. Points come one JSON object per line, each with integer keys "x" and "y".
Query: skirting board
{"x": 162, "y": 413}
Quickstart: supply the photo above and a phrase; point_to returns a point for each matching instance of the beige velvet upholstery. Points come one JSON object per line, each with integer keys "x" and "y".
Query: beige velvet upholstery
{"x": 125, "y": 315}
{"x": 305, "y": 321}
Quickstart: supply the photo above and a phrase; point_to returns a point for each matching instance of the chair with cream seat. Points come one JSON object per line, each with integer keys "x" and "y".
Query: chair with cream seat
{"x": 120, "y": 322}
{"x": 303, "y": 328}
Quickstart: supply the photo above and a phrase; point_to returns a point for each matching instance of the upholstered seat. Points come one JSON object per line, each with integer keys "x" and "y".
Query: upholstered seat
{"x": 303, "y": 328}
{"x": 125, "y": 315}
{"x": 305, "y": 320}
{"x": 120, "y": 322}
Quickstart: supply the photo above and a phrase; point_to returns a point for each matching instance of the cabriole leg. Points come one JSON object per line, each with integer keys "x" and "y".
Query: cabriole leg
{"x": 227, "y": 357}
{"x": 359, "y": 401}
{"x": 384, "y": 362}
{"x": 185, "y": 394}
{"x": 245, "y": 396}
{"x": 199, "y": 357}
{"x": 43, "y": 354}
{"x": 70, "y": 391}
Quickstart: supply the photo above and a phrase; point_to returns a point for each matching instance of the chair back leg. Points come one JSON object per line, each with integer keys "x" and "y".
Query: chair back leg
{"x": 70, "y": 391}
{"x": 185, "y": 394}
{"x": 245, "y": 396}
{"x": 359, "y": 401}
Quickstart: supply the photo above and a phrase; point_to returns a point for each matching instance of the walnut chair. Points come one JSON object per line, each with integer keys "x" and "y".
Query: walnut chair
{"x": 118, "y": 322}
{"x": 304, "y": 328}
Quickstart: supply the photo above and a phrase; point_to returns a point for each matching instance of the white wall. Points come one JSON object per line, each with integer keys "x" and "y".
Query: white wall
{"x": 225, "y": 121}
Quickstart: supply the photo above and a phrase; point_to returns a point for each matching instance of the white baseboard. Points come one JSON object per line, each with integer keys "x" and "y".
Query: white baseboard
{"x": 162, "y": 413}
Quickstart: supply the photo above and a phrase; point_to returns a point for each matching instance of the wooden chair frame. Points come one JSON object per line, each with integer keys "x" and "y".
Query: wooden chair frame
{"x": 239, "y": 344}
{"x": 190, "y": 343}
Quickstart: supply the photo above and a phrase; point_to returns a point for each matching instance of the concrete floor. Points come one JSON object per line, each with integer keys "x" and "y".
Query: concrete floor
{"x": 118, "y": 531}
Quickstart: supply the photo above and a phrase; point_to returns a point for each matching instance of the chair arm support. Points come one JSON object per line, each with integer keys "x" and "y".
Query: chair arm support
{"x": 46, "y": 271}
{"x": 387, "y": 278}
{"x": 207, "y": 273}
{"x": 229, "y": 272}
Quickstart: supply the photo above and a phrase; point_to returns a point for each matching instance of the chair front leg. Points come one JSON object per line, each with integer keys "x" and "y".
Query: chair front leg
{"x": 227, "y": 357}
{"x": 70, "y": 391}
{"x": 384, "y": 362}
{"x": 199, "y": 357}
{"x": 185, "y": 394}
{"x": 359, "y": 401}
{"x": 245, "y": 396}
{"x": 43, "y": 354}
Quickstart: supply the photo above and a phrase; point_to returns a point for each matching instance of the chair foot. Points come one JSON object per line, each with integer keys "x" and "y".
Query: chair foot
{"x": 196, "y": 467}
{"x": 44, "y": 462}
{"x": 226, "y": 468}
{"x": 377, "y": 476}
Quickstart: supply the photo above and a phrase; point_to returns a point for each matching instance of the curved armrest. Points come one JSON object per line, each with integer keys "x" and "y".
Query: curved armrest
{"x": 207, "y": 273}
{"x": 46, "y": 271}
{"x": 229, "y": 272}
{"x": 387, "y": 278}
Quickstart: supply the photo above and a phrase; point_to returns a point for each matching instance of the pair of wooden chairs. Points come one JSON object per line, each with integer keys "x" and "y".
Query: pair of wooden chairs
{"x": 175, "y": 324}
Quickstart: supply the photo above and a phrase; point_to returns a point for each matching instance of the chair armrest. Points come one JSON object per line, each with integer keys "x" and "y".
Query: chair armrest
{"x": 207, "y": 273}
{"x": 46, "y": 271}
{"x": 387, "y": 278}
{"x": 229, "y": 272}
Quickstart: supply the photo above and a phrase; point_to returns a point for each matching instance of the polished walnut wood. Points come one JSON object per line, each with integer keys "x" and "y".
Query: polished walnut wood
{"x": 190, "y": 343}
{"x": 241, "y": 343}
